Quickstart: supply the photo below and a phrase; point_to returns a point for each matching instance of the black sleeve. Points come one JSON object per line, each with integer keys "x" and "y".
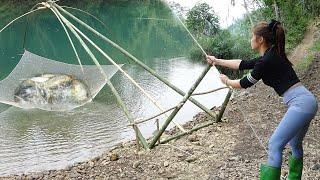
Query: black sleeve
{"x": 255, "y": 75}
{"x": 248, "y": 64}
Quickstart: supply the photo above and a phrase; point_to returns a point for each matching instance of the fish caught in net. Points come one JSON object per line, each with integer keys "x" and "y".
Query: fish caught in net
{"x": 38, "y": 82}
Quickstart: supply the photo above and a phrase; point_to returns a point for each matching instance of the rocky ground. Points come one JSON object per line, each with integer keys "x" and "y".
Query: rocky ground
{"x": 226, "y": 150}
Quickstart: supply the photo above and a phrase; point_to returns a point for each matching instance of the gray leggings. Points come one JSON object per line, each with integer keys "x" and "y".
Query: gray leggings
{"x": 302, "y": 107}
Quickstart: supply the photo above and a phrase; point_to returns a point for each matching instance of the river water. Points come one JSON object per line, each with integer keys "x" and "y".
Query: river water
{"x": 35, "y": 140}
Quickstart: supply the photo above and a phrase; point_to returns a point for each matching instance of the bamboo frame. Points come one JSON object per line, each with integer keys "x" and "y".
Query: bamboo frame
{"x": 70, "y": 40}
{"x": 114, "y": 91}
{"x": 89, "y": 14}
{"x": 136, "y": 130}
{"x": 186, "y": 96}
{"x": 184, "y": 100}
{"x": 32, "y": 11}
{"x": 224, "y": 105}
{"x": 131, "y": 57}
{"x": 126, "y": 74}
{"x": 158, "y": 128}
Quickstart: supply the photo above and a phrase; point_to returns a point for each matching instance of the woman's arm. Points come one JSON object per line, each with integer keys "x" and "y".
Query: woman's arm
{"x": 231, "y": 83}
{"x": 232, "y": 63}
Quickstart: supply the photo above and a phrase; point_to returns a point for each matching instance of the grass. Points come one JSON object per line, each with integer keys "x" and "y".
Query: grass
{"x": 304, "y": 63}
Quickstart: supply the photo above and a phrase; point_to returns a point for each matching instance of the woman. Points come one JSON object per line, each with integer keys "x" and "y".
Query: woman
{"x": 275, "y": 70}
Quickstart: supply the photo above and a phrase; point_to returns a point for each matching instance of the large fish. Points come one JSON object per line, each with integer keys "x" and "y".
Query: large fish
{"x": 52, "y": 89}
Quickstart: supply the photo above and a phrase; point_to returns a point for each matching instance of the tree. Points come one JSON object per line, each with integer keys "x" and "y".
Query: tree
{"x": 201, "y": 19}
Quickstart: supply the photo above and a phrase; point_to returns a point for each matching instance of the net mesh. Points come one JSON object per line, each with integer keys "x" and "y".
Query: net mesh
{"x": 32, "y": 65}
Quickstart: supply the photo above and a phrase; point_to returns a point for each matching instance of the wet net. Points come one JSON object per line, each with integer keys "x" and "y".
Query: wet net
{"x": 38, "y": 82}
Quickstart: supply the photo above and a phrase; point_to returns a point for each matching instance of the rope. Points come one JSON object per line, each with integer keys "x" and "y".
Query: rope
{"x": 145, "y": 120}
{"x": 158, "y": 19}
{"x": 254, "y": 132}
{"x": 211, "y": 91}
{"x": 87, "y": 14}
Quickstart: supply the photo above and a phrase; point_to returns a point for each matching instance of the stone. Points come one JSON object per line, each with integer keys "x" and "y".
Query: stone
{"x": 114, "y": 157}
{"x": 193, "y": 138}
{"x": 142, "y": 152}
{"x": 166, "y": 164}
{"x": 181, "y": 155}
{"x": 316, "y": 167}
{"x": 191, "y": 159}
{"x": 136, "y": 164}
{"x": 91, "y": 163}
{"x": 235, "y": 158}
{"x": 224, "y": 119}
{"x": 74, "y": 175}
{"x": 104, "y": 162}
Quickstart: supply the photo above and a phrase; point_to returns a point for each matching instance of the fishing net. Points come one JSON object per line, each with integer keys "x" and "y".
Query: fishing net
{"x": 51, "y": 85}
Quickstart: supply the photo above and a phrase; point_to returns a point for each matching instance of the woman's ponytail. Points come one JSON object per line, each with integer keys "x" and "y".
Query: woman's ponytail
{"x": 274, "y": 35}
{"x": 280, "y": 41}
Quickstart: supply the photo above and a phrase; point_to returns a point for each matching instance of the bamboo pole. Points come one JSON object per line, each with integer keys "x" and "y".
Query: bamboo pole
{"x": 126, "y": 53}
{"x": 89, "y": 14}
{"x": 135, "y": 128}
{"x": 172, "y": 115}
{"x": 158, "y": 128}
{"x": 39, "y": 8}
{"x": 114, "y": 91}
{"x": 69, "y": 38}
{"x": 126, "y": 74}
{"x": 224, "y": 105}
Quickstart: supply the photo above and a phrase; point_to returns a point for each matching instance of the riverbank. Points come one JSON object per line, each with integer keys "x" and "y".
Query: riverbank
{"x": 226, "y": 150}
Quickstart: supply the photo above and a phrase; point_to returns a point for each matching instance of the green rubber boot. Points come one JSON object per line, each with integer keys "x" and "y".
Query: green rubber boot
{"x": 295, "y": 168}
{"x": 269, "y": 173}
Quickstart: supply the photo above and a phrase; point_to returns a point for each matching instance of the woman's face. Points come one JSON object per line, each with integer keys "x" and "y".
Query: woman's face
{"x": 256, "y": 42}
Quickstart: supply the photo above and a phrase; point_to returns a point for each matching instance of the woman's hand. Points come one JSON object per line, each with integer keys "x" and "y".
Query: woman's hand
{"x": 230, "y": 83}
{"x": 211, "y": 60}
{"x": 224, "y": 79}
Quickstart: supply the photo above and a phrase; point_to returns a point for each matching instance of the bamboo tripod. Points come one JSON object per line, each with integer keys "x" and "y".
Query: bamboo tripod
{"x": 80, "y": 36}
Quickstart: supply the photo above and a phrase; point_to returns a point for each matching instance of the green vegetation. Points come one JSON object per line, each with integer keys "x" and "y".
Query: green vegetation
{"x": 234, "y": 42}
{"x": 202, "y": 20}
{"x": 304, "y": 63}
